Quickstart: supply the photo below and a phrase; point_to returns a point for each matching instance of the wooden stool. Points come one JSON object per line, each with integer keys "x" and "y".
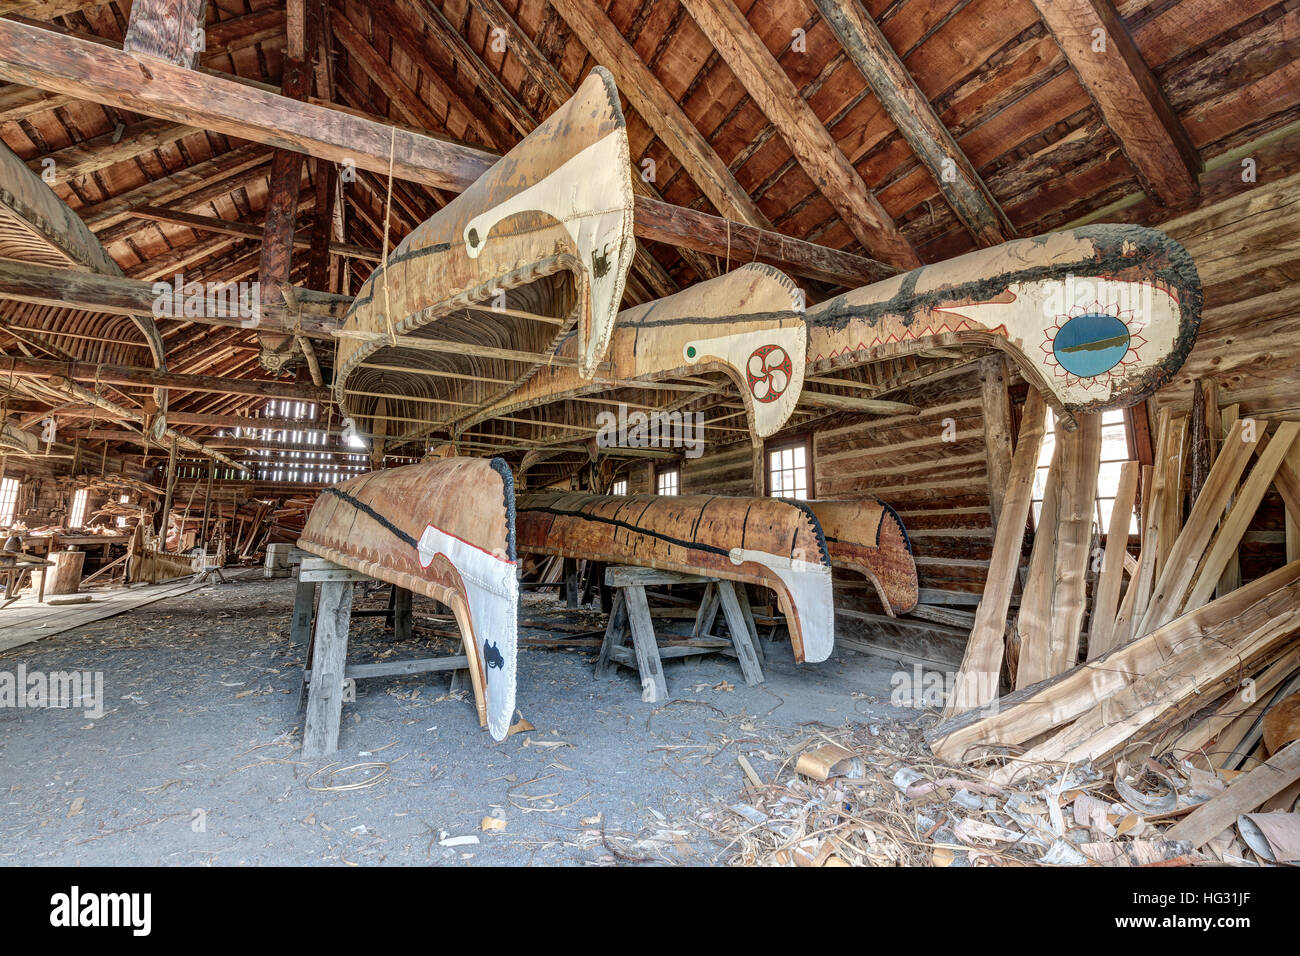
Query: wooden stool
{"x": 324, "y": 683}
{"x": 630, "y": 614}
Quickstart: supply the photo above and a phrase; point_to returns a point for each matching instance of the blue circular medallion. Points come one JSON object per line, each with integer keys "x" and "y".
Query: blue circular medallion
{"x": 1091, "y": 344}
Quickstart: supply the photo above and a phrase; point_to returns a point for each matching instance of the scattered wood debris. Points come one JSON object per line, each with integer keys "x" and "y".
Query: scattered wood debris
{"x": 864, "y": 798}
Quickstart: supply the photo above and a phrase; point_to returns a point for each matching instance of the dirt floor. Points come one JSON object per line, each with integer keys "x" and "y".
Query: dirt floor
{"x": 196, "y": 758}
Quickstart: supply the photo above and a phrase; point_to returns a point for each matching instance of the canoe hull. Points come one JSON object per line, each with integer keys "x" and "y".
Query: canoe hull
{"x": 444, "y": 529}
{"x": 546, "y": 232}
{"x": 867, "y": 536}
{"x": 765, "y": 541}
{"x": 1096, "y": 317}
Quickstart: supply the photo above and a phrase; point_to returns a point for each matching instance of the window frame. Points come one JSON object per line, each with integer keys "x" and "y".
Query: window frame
{"x": 1133, "y": 449}
{"x": 804, "y": 441}
{"x": 77, "y": 508}
{"x": 8, "y": 502}
{"x": 673, "y": 468}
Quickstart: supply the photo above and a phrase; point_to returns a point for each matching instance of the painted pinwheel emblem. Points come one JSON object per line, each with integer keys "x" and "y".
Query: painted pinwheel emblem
{"x": 769, "y": 371}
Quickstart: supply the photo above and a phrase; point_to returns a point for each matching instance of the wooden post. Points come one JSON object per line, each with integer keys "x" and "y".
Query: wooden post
{"x": 207, "y": 505}
{"x": 320, "y": 735}
{"x": 167, "y": 498}
{"x": 653, "y": 686}
{"x": 742, "y": 595}
{"x": 614, "y": 633}
{"x": 570, "y": 583}
{"x": 318, "y": 267}
{"x": 997, "y": 429}
{"x": 402, "y": 618}
{"x": 304, "y": 599}
{"x": 739, "y": 629}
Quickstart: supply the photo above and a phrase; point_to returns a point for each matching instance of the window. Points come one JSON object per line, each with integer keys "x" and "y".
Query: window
{"x": 8, "y": 500}
{"x": 619, "y": 487}
{"x": 1115, "y": 450}
{"x": 668, "y": 481}
{"x": 78, "y": 513}
{"x": 121, "y": 519}
{"x": 787, "y": 470}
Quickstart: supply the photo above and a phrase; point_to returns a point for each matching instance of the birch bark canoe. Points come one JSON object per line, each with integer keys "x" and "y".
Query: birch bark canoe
{"x": 867, "y": 536}
{"x": 444, "y": 528}
{"x": 540, "y": 243}
{"x": 770, "y": 542}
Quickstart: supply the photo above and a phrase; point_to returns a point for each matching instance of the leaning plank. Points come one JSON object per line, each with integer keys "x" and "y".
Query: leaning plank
{"x": 1248, "y": 501}
{"x": 1181, "y": 562}
{"x": 1220, "y": 727}
{"x": 1202, "y": 670}
{"x": 977, "y": 681}
{"x": 1102, "y": 635}
{"x": 1231, "y": 578}
{"x": 1171, "y": 520}
{"x": 1244, "y": 794}
{"x": 1028, "y": 713}
{"x": 1051, "y": 644}
{"x": 1123, "y": 626}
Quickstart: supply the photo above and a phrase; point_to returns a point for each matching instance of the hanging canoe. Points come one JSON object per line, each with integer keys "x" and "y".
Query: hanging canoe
{"x": 765, "y": 541}
{"x": 1096, "y": 317}
{"x": 867, "y": 536}
{"x": 741, "y": 324}
{"x": 473, "y": 301}
{"x": 445, "y": 529}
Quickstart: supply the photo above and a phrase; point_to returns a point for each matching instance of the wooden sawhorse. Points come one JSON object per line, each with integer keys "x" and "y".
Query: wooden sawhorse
{"x": 325, "y": 681}
{"x": 630, "y": 614}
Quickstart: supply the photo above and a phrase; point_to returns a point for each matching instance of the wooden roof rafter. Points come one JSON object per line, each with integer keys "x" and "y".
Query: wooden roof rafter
{"x": 1110, "y": 67}
{"x": 808, "y": 139}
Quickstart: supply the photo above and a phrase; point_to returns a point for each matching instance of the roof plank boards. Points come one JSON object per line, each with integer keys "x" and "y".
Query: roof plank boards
{"x": 809, "y": 141}
{"x": 1099, "y": 48}
{"x": 917, "y": 121}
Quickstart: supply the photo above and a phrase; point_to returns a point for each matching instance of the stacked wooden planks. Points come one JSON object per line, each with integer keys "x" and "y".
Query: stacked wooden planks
{"x": 1185, "y": 663}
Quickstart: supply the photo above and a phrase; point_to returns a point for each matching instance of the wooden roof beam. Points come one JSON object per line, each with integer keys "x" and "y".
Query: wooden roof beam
{"x": 660, "y": 111}
{"x": 1108, "y": 64}
{"x": 244, "y": 230}
{"x": 73, "y": 289}
{"x": 808, "y": 139}
{"x": 910, "y": 110}
{"x": 91, "y": 71}
{"x": 182, "y": 184}
{"x": 148, "y": 378}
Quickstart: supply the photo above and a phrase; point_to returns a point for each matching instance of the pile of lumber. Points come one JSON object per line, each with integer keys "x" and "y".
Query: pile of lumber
{"x": 1184, "y": 667}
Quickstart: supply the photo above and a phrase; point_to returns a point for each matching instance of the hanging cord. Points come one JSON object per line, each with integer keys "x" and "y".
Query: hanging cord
{"x": 388, "y": 215}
